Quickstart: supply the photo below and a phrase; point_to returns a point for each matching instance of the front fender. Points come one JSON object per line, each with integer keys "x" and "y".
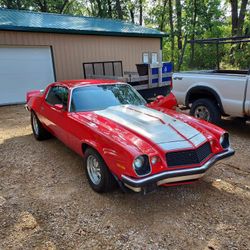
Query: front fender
{"x": 118, "y": 158}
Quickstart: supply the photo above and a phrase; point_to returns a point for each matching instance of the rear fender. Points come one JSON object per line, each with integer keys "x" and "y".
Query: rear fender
{"x": 30, "y": 97}
{"x": 168, "y": 102}
{"x": 31, "y": 94}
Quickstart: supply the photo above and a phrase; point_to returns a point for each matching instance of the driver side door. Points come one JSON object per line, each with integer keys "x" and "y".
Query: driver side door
{"x": 55, "y": 118}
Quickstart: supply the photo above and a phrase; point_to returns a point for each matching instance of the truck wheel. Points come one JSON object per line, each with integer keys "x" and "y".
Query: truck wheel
{"x": 206, "y": 109}
{"x": 98, "y": 174}
{"x": 39, "y": 132}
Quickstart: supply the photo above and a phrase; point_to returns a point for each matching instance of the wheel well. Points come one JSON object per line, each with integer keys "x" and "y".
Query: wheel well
{"x": 203, "y": 92}
{"x": 85, "y": 146}
{"x": 200, "y": 94}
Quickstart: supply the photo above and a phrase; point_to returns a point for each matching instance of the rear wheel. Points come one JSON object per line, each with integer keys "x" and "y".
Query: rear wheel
{"x": 39, "y": 132}
{"x": 98, "y": 174}
{"x": 206, "y": 109}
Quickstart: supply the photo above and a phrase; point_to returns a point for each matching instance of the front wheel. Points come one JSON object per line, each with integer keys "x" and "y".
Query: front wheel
{"x": 98, "y": 174}
{"x": 206, "y": 109}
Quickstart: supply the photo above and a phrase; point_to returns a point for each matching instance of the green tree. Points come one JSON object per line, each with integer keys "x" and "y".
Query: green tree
{"x": 181, "y": 19}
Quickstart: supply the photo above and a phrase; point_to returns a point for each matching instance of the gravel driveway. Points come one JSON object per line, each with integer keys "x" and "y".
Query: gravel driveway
{"x": 46, "y": 202}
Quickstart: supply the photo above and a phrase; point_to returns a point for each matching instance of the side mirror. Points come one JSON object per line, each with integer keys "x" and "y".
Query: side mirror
{"x": 58, "y": 107}
{"x": 159, "y": 97}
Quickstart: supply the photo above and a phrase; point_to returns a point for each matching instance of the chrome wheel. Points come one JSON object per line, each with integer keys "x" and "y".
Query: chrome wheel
{"x": 201, "y": 112}
{"x": 94, "y": 170}
{"x": 35, "y": 125}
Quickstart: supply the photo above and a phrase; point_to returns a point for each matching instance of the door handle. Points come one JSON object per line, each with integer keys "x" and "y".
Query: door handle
{"x": 178, "y": 78}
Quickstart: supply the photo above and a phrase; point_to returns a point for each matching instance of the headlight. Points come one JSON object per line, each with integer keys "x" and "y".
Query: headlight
{"x": 141, "y": 165}
{"x": 138, "y": 162}
{"x": 224, "y": 140}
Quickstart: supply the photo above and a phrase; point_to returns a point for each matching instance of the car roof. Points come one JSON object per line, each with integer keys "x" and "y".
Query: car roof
{"x": 83, "y": 82}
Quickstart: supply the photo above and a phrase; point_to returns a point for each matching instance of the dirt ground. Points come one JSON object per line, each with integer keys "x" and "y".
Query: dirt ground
{"x": 46, "y": 202}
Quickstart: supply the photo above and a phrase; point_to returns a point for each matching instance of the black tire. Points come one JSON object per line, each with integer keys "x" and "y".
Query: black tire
{"x": 107, "y": 181}
{"x": 214, "y": 114}
{"x": 240, "y": 120}
{"x": 40, "y": 133}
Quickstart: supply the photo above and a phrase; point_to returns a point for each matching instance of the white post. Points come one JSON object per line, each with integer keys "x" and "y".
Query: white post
{"x": 160, "y": 69}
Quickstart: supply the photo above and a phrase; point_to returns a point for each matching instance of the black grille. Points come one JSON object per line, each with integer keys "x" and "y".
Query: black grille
{"x": 189, "y": 157}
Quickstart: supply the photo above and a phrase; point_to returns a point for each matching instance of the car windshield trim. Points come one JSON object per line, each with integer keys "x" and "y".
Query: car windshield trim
{"x": 102, "y": 84}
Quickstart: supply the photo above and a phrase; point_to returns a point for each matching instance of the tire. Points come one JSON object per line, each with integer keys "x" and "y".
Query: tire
{"x": 206, "y": 109}
{"x": 39, "y": 132}
{"x": 106, "y": 182}
{"x": 240, "y": 120}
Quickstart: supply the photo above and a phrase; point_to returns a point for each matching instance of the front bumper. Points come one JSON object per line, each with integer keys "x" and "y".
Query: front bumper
{"x": 179, "y": 175}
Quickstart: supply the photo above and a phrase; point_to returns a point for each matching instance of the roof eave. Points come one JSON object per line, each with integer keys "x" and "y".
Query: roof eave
{"x": 81, "y": 32}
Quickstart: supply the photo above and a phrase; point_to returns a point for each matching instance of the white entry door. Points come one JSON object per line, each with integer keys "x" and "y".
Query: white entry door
{"x": 23, "y": 69}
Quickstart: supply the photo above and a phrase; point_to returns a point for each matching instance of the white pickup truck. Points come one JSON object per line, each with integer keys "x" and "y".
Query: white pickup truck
{"x": 212, "y": 94}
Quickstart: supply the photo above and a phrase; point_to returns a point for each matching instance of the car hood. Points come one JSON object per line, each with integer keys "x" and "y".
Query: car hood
{"x": 167, "y": 132}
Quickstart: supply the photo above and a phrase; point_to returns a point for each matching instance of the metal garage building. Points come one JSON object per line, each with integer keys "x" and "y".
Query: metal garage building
{"x": 38, "y": 48}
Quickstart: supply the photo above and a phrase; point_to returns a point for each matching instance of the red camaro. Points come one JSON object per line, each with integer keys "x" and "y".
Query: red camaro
{"x": 123, "y": 139}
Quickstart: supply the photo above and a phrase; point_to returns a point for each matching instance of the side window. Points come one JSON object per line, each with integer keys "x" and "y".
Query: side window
{"x": 57, "y": 95}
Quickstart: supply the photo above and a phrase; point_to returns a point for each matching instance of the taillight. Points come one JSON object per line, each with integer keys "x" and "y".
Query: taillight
{"x": 171, "y": 84}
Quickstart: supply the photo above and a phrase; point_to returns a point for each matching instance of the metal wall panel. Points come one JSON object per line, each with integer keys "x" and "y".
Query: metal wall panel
{"x": 70, "y": 51}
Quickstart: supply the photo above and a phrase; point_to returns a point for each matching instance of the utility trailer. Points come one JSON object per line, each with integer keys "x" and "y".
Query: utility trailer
{"x": 152, "y": 78}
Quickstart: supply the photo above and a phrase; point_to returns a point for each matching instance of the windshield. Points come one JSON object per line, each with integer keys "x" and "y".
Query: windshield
{"x": 98, "y": 97}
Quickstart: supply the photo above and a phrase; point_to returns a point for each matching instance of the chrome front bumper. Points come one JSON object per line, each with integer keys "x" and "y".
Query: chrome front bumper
{"x": 180, "y": 175}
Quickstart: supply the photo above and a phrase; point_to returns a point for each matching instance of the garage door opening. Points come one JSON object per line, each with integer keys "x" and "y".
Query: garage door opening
{"x": 23, "y": 69}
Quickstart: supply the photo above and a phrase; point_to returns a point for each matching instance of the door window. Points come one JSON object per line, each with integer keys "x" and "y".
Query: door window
{"x": 57, "y": 95}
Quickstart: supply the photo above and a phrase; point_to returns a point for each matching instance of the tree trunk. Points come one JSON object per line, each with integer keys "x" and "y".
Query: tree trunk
{"x": 109, "y": 9}
{"x": 9, "y": 4}
{"x": 237, "y": 23}
{"x": 179, "y": 32}
{"x": 132, "y": 15}
{"x": 193, "y": 32}
{"x": 180, "y": 61}
{"x": 92, "y": 7}
{"x": 119, "y": 9}
{"x": 234, "y": 14}
{"x": 179, "y": 23}
{"x": 43, "y": 5}
{"x": 140, "y": 10}
{"x": 61, "y": 10}
{"x": 163, "y": 15}
{"x": 19, "y": 6}
{"x": 170, "y": 9}
{"x": 99, "y": 5}
{"x": 241, "y": 17}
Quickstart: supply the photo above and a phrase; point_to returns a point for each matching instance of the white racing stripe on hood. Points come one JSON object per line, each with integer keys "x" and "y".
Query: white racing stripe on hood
{"x": 162, "y": 129}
